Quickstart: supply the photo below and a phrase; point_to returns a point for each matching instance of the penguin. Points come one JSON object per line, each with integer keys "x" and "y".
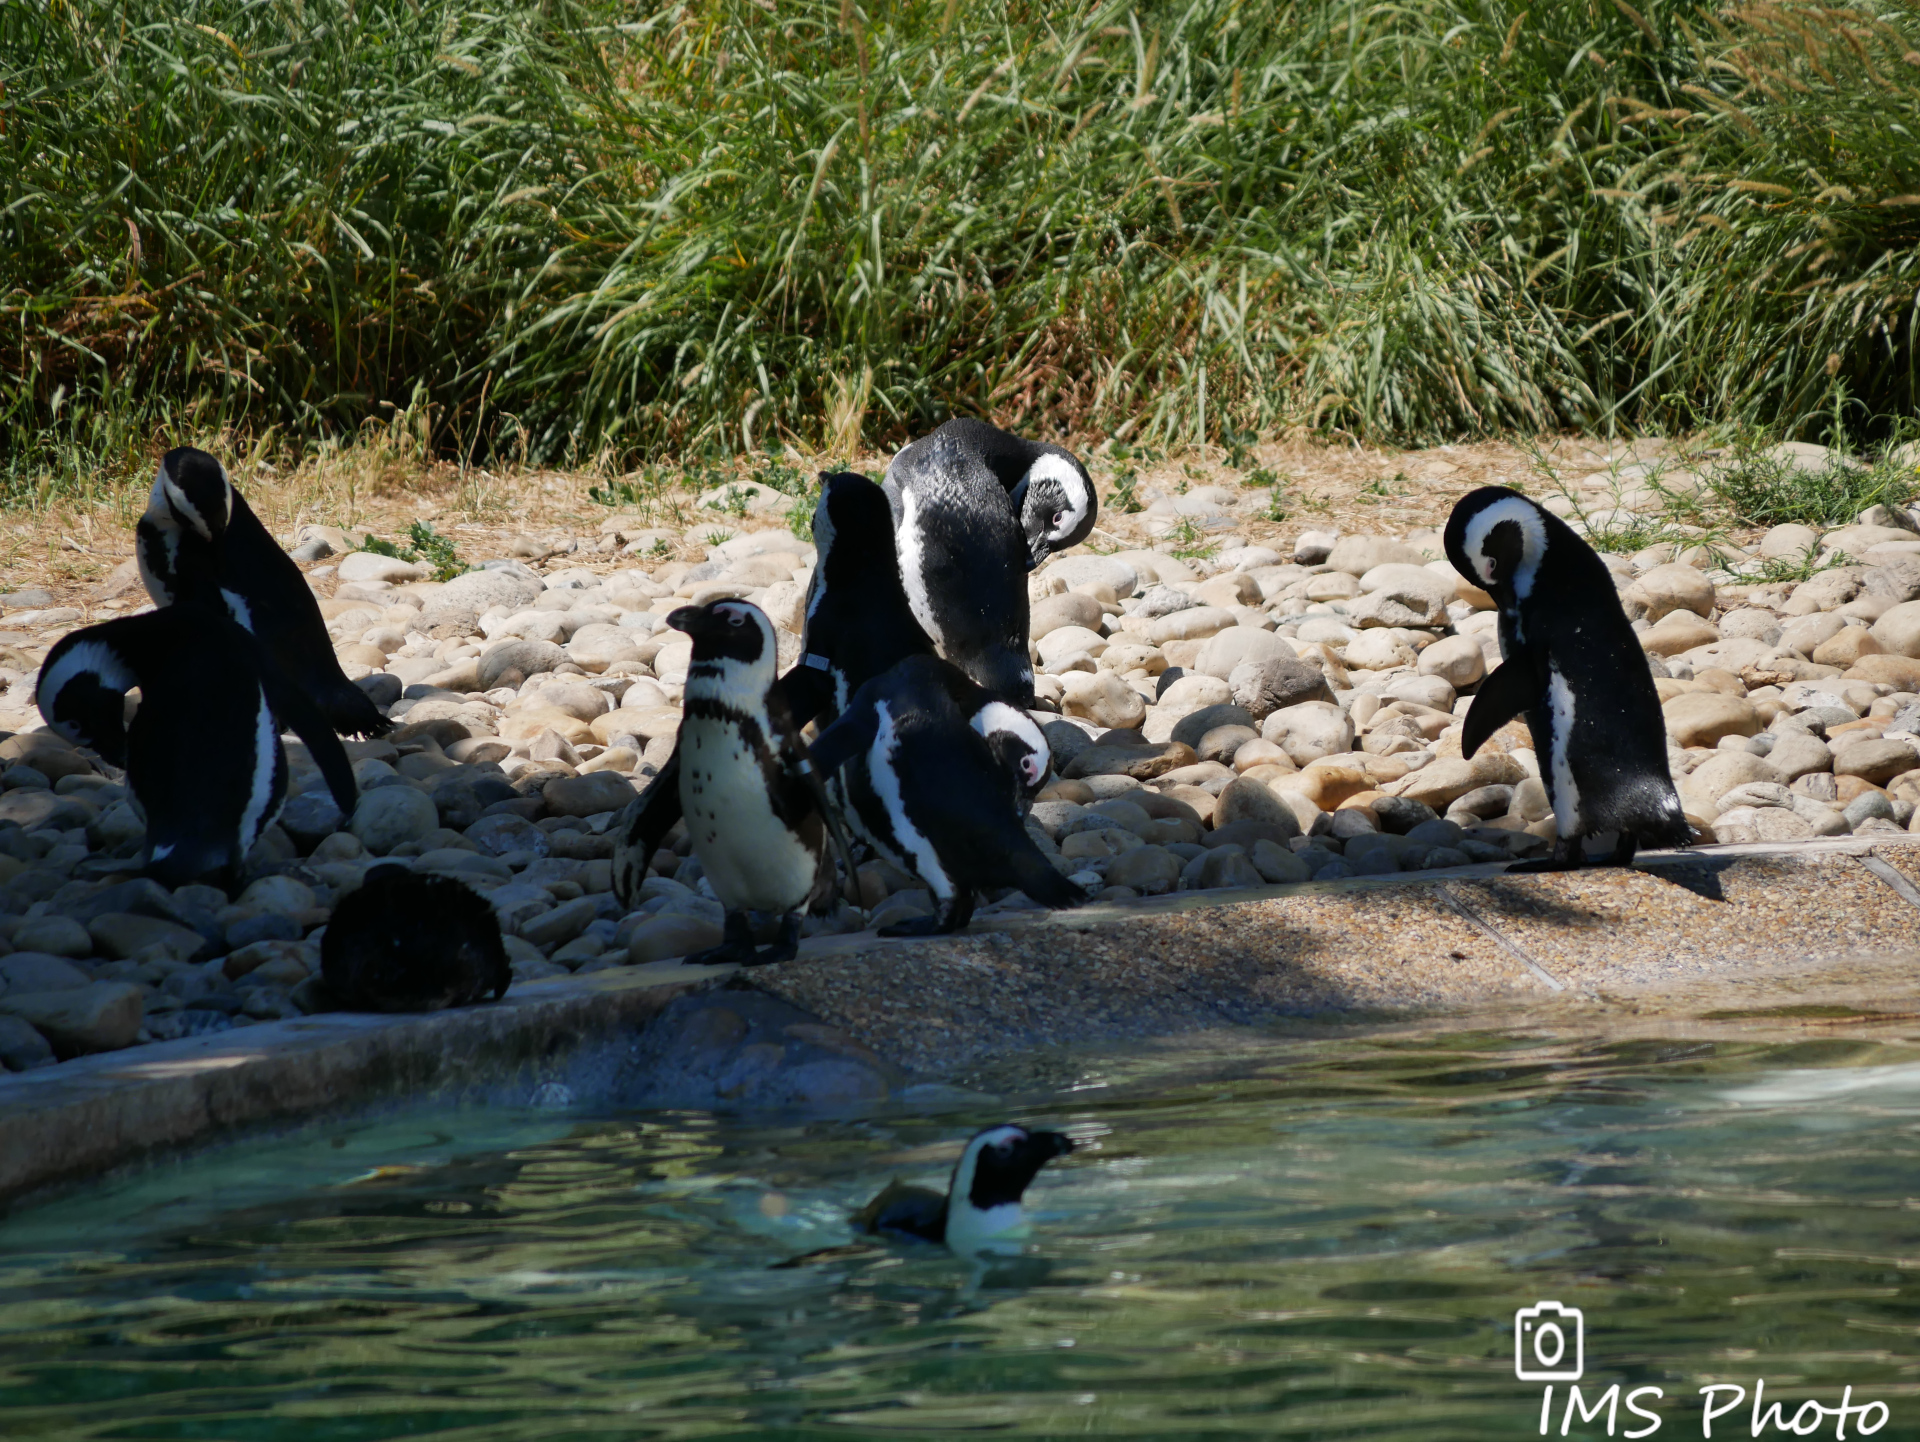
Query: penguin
{"x": 203, "y": 752}
{"x": 981, "y": 1208}
{"x": 964, "y": 556}
{"x": 755, "y": 809}
{"x": 1575, "y": 667}
{"x": 857, "y": 625}
{"x": 930, "y": 793}
{"x": 1049, "y": 489}
{"x": 199, "y": 540}
{"x": 410, "y": 941}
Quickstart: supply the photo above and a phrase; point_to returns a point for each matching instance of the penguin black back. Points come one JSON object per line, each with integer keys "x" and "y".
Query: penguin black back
{"x": 405, "y": 941}
{"x": 858, "y": 622}
{"x": 1576, "y": 669}
{"x": 1050, "y": 490}
{"x": 983, "y": 1197}
{"x": 963, "y": 559}
{"x": 200, "y": 541}
{"x": 930, "y": 794}
{"x": 203, "y": 753}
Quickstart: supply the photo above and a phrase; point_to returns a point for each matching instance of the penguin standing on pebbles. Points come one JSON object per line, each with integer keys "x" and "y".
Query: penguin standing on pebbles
{"x": 755, "y": 810}
{"x": 964, "y": 551}
{"x": 200, "y": 541}
{"x": 981, "y": 1208}
{"x": 406, "y": 941}
{"x": 934, "y": 796}
{"x": 203, "y": 754}
{"x": 858, "y": 625}
{"x": 1576, "y": 669}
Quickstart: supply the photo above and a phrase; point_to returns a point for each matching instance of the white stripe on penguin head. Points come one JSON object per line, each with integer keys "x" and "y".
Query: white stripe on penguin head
{"x": 1079, "y": 495}
{"x": 1533, "y": 546}
{"x": 997, "y": 716}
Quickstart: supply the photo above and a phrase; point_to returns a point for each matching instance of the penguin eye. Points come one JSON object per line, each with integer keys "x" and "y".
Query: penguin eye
{"x": 735, "y": 618}
{"x": 1058, "y": 517}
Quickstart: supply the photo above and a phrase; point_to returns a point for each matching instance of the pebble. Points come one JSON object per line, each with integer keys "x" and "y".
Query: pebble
{"x": 1265, "y": 715}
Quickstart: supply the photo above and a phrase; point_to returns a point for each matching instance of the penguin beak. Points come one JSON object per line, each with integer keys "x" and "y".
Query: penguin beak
{"x": 696, "y": 621}
{"x": 1048, "y": 1145}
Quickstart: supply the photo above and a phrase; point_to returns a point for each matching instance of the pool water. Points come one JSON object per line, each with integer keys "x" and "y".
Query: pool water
{"x": 1307, "y": 1238}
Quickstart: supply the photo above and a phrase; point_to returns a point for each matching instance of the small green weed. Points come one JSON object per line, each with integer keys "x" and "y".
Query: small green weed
{"x": 1189, "y": 541}
{"x": 427, "y": 545}
{"x": 1763, "y": 490}
{"x": 1125, "y": 498}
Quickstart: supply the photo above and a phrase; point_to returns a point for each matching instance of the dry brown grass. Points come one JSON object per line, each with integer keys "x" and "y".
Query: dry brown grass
{"x": 71, "y": 547}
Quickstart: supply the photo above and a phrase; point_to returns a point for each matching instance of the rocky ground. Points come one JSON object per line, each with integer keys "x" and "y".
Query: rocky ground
{"x": 1233, "y": 697}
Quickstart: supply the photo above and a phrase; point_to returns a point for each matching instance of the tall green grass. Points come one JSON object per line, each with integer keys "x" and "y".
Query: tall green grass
{"x": 582, "y": 228}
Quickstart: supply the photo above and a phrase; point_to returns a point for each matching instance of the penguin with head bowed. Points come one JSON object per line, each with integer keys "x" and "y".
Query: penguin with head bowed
{"x": 756, "y": 812}
{"x": 936, "y": 796}
{"x": 1050, "y": 490}
{"x": 200, "y": 541}
{"x": 857, "y": 625}
{"x": 981, "y": 1210}
{"x": 964, "y": 554}
{"x": 1575, "y": 668}
{"x": 409, "y": 941}
{"x": 203, "y": 753}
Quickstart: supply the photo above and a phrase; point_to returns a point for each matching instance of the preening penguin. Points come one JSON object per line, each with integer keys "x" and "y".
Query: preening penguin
{"x": 935, "y": 796}
{"x": 200, "y": 541}
{"x": 1575, "y": 667}
{"x": 756, "y": 812}
{"x": 963, "y": 557}
{"x": 406, "y": 941}
{"x": 981, "y": 1208}
{"x": 1050, "y": 490}
{"x": 203, "y": 754}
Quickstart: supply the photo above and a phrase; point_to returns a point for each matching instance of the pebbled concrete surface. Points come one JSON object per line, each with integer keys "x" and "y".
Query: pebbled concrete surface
{"x": 1819, "y": 934}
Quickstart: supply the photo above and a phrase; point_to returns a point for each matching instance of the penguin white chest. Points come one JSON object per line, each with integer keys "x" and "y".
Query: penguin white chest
{"x": 1566, "y": 791}
{"x": 910, "y": 538}
{"x": 753, "y": 860}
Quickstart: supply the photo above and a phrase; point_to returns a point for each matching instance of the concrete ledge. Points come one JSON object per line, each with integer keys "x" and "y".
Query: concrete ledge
{"x": 95, "y": 1113}
{"x": 1696, "y": 924}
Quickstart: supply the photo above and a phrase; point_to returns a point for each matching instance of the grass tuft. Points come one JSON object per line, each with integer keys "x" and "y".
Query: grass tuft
{"x": 602, "y": 233}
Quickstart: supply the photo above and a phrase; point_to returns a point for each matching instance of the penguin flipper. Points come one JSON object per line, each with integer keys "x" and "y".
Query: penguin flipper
{"x": 845, "y": 739}
{"x": 297, "y": 712}
{"x": 1513, "y": 688}
{"x": 807, "y": 690}
{"x": 653, "y": 814}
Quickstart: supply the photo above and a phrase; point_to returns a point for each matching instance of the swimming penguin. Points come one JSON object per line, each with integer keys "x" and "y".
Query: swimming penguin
{"x": 930, "y": 793}
{"x": 964, "y": 557}
{"x": 857, "y": 625}
{"x": 1575, "y": 667}
{"x": 756, "y": 811}
{"x": 200, "y": 541}
{"x": 203, "y": 753}
{"x": 410, "y": 941}
{"x": 980, "y": 1210}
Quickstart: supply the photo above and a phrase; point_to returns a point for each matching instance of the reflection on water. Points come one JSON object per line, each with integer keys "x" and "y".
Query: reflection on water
{"x": 1316, "y": 1240}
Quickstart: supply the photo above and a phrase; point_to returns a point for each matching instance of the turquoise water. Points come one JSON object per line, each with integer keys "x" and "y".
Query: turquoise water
{"x": 1320, "y": 1238}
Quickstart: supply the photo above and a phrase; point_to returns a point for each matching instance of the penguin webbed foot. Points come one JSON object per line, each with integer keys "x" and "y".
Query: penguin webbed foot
{"x": 1565, "y": 856}
{"x": 737, "y": 947}
{"x": 950, "y": 916}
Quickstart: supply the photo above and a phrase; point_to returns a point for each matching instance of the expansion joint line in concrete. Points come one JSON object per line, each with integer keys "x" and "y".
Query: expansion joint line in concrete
{"x": 1905, "y": 889}
{"x": 1488, "y": 930}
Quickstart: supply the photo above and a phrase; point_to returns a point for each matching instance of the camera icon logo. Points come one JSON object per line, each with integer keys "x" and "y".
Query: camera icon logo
{"x": 1549, "y": 1343}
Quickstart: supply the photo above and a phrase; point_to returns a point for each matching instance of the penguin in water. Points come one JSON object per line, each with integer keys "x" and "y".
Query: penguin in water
{"x": 1050, "y": 490}
{"x": 409, "y": 941}
{"x": 203, "y": 754}
{"x": 858, "y": 625}
{"x": 755, "y": 809}
{"x": 1576, "y": 669}
{"x": 981, "y": 1208}
{"x": 934, "y": 796}
{"x": 200, "y": 541}
{"x": 964, "y": 556}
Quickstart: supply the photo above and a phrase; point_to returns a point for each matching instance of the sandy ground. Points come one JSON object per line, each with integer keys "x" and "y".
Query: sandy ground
{"x": 71, "y": 549}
